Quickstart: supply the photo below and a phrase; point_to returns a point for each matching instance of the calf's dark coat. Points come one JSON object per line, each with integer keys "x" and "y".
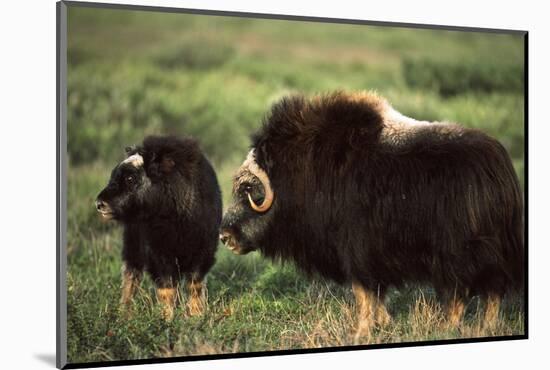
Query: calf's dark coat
{"x": 361, "y": 194}
{"x": 167, "y": 197}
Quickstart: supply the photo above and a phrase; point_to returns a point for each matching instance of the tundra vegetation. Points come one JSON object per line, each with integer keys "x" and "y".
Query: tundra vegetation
{"x": 132, "y": 74}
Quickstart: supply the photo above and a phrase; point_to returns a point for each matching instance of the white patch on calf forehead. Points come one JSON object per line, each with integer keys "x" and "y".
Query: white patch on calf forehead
{"x": 135, "y": 160}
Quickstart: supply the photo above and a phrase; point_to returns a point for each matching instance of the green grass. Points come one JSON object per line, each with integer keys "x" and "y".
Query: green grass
{"x": 136, "y": 73}
{"x": 453, "y": 78}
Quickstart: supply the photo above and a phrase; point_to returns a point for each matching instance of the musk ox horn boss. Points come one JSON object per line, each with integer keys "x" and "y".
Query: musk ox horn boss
{"x": 166, "y": 195}
{"x": 348, "y": 188}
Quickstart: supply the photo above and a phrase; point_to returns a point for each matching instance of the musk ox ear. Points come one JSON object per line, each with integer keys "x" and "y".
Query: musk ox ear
{"x": 167, "y": 164}
{"x": 132, "y": 149}
{"x": 159, "y": 165}
{"x": 135, "y": 149}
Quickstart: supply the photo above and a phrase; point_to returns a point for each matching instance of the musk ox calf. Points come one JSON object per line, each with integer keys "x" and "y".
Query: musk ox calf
{"x": 166, "y": 195}
{"x": 348, "y": 188}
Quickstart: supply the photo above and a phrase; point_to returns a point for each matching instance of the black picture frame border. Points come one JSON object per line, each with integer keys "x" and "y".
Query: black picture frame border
{"x": 291, "y": 352}
{"x": 61, "y": 184}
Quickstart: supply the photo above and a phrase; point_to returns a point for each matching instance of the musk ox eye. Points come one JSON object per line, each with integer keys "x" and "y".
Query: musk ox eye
{"x": 130, "y": 179}
{"x": 245, "y": 189}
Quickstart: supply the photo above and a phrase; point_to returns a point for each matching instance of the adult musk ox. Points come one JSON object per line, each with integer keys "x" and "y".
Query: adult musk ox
{"x": 350, "y": 189}
{"x": 166, "y": 195}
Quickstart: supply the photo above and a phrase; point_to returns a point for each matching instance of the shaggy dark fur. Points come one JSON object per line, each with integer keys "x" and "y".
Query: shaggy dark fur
{"x": 167, "y": 197}
{"x": 360, "y": 197}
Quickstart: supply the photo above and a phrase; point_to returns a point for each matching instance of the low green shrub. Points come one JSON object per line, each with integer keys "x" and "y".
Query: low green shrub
{"x": 194, "y": 54}
{"x": 460, "y": 77}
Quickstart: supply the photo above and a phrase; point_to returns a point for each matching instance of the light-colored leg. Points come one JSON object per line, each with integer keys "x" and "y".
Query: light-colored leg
{"x": 382, "y": 316}
{"x": 131, "y": 279}
{"x": 167, "y": 297}
{"x": 491, "y": 311}
{"x": 196, "y": 301}
{"x": 371, "y": 310}
{"x": 454, "y": 309}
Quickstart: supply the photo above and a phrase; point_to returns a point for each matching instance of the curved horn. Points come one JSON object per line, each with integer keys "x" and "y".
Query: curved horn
{"x": 262, "y": 176}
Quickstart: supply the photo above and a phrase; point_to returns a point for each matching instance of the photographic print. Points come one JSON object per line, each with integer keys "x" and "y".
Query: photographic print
{"x": 239, "y": 184}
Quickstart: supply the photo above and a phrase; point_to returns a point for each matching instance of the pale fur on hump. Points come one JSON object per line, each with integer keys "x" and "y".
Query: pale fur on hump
{"x": 135, "y": 160}
{"x": 397, "y": 127}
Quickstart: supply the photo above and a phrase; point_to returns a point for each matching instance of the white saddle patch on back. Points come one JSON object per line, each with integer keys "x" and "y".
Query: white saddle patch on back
{"x": 398, "y": 128}
{"x": 396, "y": 117}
